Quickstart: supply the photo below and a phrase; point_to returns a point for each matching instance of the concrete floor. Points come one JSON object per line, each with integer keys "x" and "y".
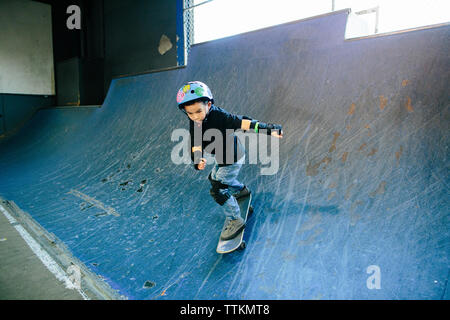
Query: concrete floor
{"x": 22, "y": 274}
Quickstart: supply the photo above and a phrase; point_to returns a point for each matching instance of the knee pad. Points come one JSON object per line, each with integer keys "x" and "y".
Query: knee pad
{"x": 219, "y": 191}
{"x": 220, "y": 195}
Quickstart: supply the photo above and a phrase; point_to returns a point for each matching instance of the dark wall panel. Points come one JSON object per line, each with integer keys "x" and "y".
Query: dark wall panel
{"x": 133, "y": 31}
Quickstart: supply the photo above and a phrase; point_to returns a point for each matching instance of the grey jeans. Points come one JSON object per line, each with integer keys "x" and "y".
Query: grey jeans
{"x": 228, "y": 175}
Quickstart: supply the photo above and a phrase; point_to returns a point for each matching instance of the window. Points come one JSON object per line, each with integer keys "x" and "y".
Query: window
{"x": 214, "y": 19}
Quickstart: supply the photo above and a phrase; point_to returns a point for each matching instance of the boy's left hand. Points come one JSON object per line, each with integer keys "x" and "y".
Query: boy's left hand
{"x": 276, "y": 134}
{"x": 276, "y": 131}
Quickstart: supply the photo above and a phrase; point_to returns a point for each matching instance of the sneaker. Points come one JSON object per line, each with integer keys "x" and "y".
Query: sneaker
{"x": 243, "y": 193}
{"x": 232, "y": 228}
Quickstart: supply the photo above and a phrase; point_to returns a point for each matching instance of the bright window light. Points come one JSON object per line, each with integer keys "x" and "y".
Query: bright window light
{"x": 221, "y": 18}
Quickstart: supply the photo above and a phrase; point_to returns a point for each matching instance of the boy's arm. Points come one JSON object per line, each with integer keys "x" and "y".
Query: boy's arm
{"x": 249, "y": 124}
{"x": 196, "y": 156}
{"x": 196, "y": 145}
{"x": 245, "y": 123}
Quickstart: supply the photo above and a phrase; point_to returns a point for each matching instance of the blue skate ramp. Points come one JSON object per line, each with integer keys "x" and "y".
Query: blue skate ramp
{"x": 358, "y": 207}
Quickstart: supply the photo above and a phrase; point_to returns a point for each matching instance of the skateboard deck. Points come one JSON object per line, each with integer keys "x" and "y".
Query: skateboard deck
{"x": 226, "y": 246}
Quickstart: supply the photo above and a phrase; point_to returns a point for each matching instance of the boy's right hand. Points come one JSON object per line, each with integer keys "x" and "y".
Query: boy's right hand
{"x": 202, "y": 164}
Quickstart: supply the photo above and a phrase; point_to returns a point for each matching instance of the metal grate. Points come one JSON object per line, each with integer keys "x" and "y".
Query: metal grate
{"x": 188, "y": 16}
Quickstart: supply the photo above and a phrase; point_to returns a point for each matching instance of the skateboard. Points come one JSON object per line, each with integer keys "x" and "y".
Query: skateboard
{"x": 227, "y": 246}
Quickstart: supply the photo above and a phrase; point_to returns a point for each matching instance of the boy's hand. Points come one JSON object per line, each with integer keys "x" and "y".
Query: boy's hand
{"x": 202, "y": 164}
{"x": 276, "y": 135}
{"x": 276, "y": 130}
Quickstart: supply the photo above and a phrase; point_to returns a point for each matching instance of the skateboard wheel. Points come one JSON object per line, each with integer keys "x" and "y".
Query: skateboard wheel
{"x": 242, "y": 246}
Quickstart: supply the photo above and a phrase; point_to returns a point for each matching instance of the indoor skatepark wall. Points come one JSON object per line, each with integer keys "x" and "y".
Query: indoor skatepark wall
{"x": 361, "y": 193}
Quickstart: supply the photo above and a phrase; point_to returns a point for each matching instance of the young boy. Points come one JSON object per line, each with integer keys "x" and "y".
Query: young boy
{"x": 196, "y": 100}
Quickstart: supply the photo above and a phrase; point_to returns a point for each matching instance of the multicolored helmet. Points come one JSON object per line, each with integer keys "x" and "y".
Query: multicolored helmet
{"x": 193, "y": 90}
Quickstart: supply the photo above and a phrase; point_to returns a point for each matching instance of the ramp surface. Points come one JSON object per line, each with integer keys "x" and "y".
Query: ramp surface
{"x": 358, "y": 209}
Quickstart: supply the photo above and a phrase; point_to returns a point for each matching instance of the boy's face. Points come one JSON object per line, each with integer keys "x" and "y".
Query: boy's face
{"x": 197, "y": 111}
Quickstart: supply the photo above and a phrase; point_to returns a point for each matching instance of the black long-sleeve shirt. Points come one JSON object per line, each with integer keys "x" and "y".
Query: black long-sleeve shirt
{"x": 224, "y": 124}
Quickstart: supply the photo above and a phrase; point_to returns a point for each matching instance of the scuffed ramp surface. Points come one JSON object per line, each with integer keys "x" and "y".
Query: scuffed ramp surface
{"x": 362, "y": 180}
